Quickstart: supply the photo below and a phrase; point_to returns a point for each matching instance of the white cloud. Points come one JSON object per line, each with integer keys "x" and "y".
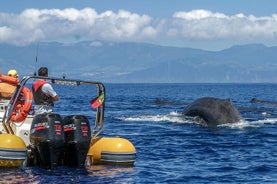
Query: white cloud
{"x": 33, "y": 25}
{"x": 202, "y": 24}
{"x": 198, "y": 14}
{"x": 96, "y": 44}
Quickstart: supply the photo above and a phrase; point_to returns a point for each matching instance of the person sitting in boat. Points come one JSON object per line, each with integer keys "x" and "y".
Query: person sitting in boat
{"x": 13, "y": 73}
{"x": 7, "y": 88}
{"x": 44, "y": 94}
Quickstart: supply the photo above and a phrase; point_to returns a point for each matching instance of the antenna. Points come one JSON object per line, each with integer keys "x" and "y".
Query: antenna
{"x": 35, "y": 73}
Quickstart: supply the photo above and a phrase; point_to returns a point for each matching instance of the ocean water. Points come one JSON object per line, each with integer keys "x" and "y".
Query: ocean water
{"x": 172, "y": 148}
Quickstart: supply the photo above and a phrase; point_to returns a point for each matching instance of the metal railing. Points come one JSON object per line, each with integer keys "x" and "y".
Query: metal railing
{"x": 99, "y": 119}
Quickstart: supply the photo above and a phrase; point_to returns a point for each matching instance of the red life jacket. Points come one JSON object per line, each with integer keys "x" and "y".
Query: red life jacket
{"x": 41, "y": 98}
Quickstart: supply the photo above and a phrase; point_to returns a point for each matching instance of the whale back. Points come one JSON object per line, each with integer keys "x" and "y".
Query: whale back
{"x": 214, "y": 111}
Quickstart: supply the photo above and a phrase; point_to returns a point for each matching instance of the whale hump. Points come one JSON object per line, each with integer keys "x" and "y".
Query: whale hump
{"x": 214, "y": 111}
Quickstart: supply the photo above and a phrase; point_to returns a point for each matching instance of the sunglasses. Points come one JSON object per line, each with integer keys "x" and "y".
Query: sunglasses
{"x": 13, "y": 76}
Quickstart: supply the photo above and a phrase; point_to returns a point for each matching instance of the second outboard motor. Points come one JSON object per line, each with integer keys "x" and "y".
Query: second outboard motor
{"x": 77, "y": 140}
{"x": 47, "y": 139}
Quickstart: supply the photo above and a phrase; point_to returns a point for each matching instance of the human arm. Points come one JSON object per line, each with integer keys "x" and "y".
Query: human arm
{"x": 48, "y": 90}
{"x": 55, "y": 98}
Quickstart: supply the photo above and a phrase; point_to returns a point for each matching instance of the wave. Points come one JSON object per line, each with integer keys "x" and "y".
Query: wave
{"x": 176, "y": 117}
{"x": 173, "y": 117}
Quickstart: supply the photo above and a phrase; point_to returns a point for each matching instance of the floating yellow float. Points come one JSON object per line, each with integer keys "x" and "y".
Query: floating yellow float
{"x": 111, "y": 150}
{"x": 13, "y": 150}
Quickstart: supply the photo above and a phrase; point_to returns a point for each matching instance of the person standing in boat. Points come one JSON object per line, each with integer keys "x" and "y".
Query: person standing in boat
{"x": 44, "y": 94}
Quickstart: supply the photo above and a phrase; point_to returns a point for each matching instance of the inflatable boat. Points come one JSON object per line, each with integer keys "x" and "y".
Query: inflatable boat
{"x": 53, "y": 139}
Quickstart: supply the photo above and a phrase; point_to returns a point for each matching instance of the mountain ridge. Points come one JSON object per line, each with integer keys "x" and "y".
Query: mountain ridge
{"x": 127, "y": 62}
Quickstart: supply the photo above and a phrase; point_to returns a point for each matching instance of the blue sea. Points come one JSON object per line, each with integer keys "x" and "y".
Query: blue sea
{"x": 172, "y": 148}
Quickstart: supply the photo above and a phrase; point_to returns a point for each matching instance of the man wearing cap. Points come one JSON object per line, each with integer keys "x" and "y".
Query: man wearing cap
{"x": 44, "y": 94}
{"x": 13, "y": 73}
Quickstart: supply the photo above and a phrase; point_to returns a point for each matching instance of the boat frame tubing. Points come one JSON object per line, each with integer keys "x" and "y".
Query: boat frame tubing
{"x": 99, "y": 121}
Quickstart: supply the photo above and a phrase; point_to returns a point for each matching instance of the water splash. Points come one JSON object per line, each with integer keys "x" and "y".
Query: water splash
{"x": 173, "y": 117}
{"x": 177, "y": 117}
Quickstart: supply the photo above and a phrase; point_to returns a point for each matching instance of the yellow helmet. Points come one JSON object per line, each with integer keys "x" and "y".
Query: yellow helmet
{"x": 13, "y": 73}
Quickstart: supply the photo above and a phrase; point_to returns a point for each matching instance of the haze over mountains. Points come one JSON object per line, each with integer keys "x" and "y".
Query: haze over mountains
{"x": 144, "y": 63}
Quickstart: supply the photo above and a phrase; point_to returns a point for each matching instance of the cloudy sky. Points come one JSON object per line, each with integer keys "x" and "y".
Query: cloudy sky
{"x": 204, "y": 24}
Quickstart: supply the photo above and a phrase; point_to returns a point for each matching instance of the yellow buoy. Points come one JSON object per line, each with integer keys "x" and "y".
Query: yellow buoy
{"x": 13, "y": 150}
{"x": 112, "y": 150}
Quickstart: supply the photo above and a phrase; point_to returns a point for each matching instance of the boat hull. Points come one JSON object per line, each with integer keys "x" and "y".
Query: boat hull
{"x": 111, "y": 150}
{"x": 13, "y": 151}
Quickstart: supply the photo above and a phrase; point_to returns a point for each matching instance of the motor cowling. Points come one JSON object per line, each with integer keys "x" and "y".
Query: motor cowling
{"x": 77, "y": 140}
{"x": 47, "y": 139}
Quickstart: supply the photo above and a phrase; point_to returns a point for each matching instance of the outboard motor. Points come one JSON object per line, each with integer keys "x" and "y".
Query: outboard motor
{"x": 47, "y": 139}
{"x": 77, "y": 140}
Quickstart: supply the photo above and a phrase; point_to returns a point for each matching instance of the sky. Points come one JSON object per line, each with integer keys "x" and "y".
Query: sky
{"x": 202, "y": 24}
